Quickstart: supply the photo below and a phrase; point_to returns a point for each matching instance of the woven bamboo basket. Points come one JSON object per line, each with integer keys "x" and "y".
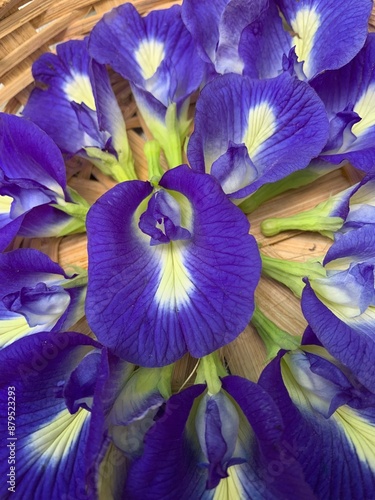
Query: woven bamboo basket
{"x": 28, "y": 29}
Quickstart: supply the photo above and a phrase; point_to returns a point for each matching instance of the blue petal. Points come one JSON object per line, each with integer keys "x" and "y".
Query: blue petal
{"x": 70, "y": 79}
{"x": 202, "y": 19}
{"x": 336, "y": 453}
{"x": 32, "y": 175}
{"x": 263, "y": 44}
{"x": 152, "y": 304}
{"x": 353, "y": 343}
{"x": 276, "y": 118}
{"x": 149, "y": 477}
{"x": 351, "y": 247}
{"x": 38, "y": 159}
{"x": 320, "y": 31}
{"x": 22, "y": 271}
{"x": 49, "y": 442}
{"x": 155, "y": 53}
{"x": 351, "y": 88}
{"x": 217, "y": 26}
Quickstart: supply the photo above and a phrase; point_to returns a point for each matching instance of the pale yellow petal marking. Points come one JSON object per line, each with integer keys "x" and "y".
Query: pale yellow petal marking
{"x": 365, "y": 107}
{"x": 230, "y": 487}
{"x": 261, "y": 126}
{"x": 305, "y": 24}
{"x": 175, "y": 283}
{"x": 79, "y": 90}
{"x": 54, "y": 440}
{"x": 360, "y": 433}
{"x": 13, "y": 329}
{"x": 5, "y": 204}
{"x": 149, "y": 55}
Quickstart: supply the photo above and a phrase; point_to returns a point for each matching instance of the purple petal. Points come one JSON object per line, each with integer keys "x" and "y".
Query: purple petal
{"x": 77, "y": 94}
{"x": 352, "y": 344}
{"x": 276, "y": 117}
{"x": 50, "y": 445}
{"x": 334, "y": 452}
{"x": 321, "y": 31}
{"x": 351, "y": 89}
{"x": 23, "y": 272}
{"x": 134, "y": 307}
{"x": 136, "y": 47}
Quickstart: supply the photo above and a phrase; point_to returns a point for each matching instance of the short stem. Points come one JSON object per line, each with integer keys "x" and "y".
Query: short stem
{"x": 291, "y": 273}
{"x": 152, "y": 153}
{"x": 273, "y": 337}
{"x": 209, "y": 370}
{"x": 78, "y": 281}
{"x": 269, "y": 191}
{"x": 309, "y": 220}
{"x": 172, "y": 146}
{"x": 165, "y": 383}
{"x": 109, "y": 165}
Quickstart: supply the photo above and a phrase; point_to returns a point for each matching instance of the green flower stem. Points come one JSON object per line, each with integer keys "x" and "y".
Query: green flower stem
{"x": 274, "y": 338}
{"x": 107, "y": 163}
{"x": 317, "y": 219}
{"x": 209, "y": 370}
{"x": 79, "y": 280}
{"x": 172, "y": 145}
{"x": 77, "y": 210}
{"x": 165, "y": 380}
{"x": 269, "y": 191}
{"x": 152, "y": 153}
{"x": 290, "y": 273}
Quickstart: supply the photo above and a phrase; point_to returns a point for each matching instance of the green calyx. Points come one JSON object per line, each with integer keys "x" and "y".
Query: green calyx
{"x": 77, "y": 209}
{"x": 152, "y": 152}
{"x": 120, "y": 170}
{"x": 79, "y": 280}
{"x": 209, "y": 371}
{"x": 291, "y": 273}
{"x": 317, "y": 219}
{"x": 274, "y": 338}
{"x": 269, "y": 191}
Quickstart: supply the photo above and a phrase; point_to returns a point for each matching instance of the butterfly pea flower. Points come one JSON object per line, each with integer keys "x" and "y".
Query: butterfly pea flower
{"x": 340, "y": 307}
{"x": 161, "y": 279}
{"x": 49, "y": 436}
{"x": 226, "y": 444}
{"x": 75, "y": 404}
{"x": 251, "y": 132}
{"x": 329, "y": 419}
{"x": 135, "y": 407}
{"x": 348, "y": 94}
{"x": 344, "y": 211}
{"x": 75, "y": 104}
{"x": 37, "y": 295}
{"x": 307, "y": 37}
{"x": 33, "y": 190}
{"x": 157, "y": 55}
{"x": 216, "y": 28}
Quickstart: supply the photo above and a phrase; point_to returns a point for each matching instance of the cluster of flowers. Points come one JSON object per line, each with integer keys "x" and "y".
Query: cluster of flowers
{"x": 286, "y": 94}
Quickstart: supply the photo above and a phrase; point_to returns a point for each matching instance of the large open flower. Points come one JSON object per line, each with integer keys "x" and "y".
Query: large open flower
{"x": 171, "y": 269}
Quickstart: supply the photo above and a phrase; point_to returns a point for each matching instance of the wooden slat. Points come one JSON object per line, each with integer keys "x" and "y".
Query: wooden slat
{"x": 20, "y": 17}
{"x": 31, "y": 45}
